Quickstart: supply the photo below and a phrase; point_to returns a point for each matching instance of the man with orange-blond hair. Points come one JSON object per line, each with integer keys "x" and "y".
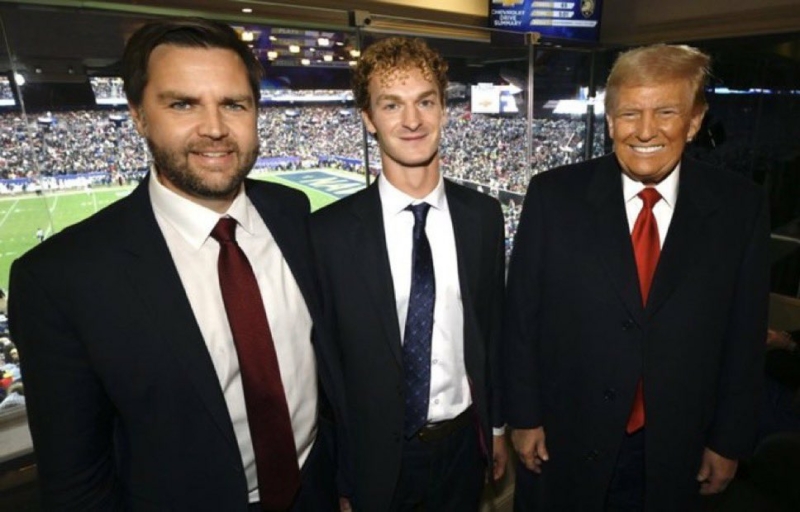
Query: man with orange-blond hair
{"x": 412, "y": 271}
{"x": 637, "y": 301}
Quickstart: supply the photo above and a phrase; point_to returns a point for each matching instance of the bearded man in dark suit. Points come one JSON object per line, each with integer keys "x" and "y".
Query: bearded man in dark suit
{"x": 168, "y": 342}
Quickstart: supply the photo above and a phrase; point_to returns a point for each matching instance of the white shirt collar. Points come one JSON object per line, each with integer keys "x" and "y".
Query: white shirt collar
{"x": 668, "y": 187}
{"x": 394, "y": 201}
{"x": 191, "y": 220}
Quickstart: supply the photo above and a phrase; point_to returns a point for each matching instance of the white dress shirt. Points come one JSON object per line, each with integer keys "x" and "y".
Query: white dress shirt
{"x": 186, "y": 227}
{"x": 662, "y": 210}
{"x": 450, "y": 393}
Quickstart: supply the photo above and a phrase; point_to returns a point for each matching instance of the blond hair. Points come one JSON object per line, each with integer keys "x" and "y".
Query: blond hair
{"x": 659, "y": 63}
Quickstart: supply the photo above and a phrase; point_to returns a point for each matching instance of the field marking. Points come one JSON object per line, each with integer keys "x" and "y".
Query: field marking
{"x": 8, "y": 213}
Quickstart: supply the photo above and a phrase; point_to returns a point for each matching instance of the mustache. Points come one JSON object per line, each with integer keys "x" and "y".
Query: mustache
{"x": 227, "y": 147}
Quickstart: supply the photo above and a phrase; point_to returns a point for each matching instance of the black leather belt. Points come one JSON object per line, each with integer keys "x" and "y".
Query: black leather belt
{"x": 441, "y": 429}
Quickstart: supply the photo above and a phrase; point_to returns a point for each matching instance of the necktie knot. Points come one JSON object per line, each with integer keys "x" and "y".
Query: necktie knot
{"x": 420, "y": 212}
{"x": 650, "y": 197}
{"x": 225, "y": 230}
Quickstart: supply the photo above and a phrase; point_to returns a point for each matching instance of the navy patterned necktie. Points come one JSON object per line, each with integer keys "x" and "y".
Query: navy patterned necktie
{"x": 419, "y": 326}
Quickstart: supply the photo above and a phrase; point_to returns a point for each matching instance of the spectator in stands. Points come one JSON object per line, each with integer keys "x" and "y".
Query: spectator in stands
{"x": 627, "y": 395}
{"x": 219, "y": 405}
{"x": 14, "y": 398}
{"x": 421, "y": 363}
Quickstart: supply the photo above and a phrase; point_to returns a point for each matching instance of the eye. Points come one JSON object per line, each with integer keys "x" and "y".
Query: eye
{"x": 180, "y": 105}
{"x": 427, "y": 103}
{"x": 389, "y": 106}
{"x": 236, "y": 107}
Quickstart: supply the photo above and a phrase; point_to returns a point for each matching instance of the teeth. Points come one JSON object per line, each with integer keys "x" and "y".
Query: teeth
{"x": 646, "y": 149}
{"x": 214, "y": 155}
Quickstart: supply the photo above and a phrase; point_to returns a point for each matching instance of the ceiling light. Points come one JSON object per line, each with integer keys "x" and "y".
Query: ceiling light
{"x": 327, "y": 58}
{"x": 19, "y": 79}
{"x": 247, "y": 36}
{"x": 272, "y": 55}
{"x": 305, "y": 62}
{"x": 294, "y": 48}
{"x": 324, "y": 41}
{"x": 247, "y": 10}
{"x": 355, "y": 54}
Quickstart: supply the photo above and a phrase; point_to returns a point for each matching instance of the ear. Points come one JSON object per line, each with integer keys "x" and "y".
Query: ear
{"x": 696, "y": 122}
{"x": 138, "y": 119}
{"x": 610, "y": 124}
{"x": 368, "y": 122}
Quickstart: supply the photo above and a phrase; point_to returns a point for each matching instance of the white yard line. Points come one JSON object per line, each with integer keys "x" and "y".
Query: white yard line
{"x": 8, "y": 213}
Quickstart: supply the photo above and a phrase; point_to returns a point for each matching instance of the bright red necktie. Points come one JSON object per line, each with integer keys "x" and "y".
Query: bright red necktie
{"x": 646, "y": 248}
{"x": 267, "y": 411}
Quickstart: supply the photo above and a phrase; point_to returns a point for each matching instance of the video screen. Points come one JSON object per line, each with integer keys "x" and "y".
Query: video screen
{"x": 108, "y": 90}
{"x": 578, "y": 20}
{"x": 7, "y": 98}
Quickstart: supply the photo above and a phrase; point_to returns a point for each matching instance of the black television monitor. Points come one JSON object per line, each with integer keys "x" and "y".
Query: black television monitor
{"x": 575, "y": 21}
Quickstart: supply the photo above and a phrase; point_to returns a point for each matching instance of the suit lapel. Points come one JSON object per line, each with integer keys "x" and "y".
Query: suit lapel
{"x": 154, "y": 278}
{"x": 368, "y": 240}
{"x": 687, "y": 232}
{"x": 466, "y": 222}
{"x": 608, "y": 229}
{"x": 284, "y": 229}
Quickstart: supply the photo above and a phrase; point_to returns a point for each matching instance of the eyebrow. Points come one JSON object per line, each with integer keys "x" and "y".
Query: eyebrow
{"x": 394, "y": 97}
{"x": 175, "y": 95}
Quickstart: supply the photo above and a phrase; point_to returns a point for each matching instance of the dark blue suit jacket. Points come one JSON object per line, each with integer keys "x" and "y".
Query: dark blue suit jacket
{"x": 350, "y": 244}
{"x": 124, "y": 405}
{"x": 579, "y": 339}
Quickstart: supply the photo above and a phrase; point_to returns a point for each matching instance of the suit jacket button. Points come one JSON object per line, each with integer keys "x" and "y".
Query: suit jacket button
{"x": 592, "y": 455}
{"x": 627, "y": 325}
{"x": 609, "y": 394}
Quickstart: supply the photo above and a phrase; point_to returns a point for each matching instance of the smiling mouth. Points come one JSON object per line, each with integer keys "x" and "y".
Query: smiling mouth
{"x": 646, "y": 149}
{"x": 215, "y": 154}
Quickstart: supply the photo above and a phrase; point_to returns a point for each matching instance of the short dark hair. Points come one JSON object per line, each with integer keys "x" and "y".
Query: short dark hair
{"x": 187, "y": 33}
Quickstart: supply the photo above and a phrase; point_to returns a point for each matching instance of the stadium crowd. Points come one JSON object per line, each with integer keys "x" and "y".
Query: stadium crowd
{"x": 488, "y": 150}
{"x": 102, "y": 147}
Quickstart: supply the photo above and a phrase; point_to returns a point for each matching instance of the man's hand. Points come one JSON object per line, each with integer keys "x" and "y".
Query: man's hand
{"x": 780, "y": 340}
{"x": 344, "y": 504}
{"x": 529, "y": 445}
{"x": 499, "y": 457}
{"x": 716, "y": 472}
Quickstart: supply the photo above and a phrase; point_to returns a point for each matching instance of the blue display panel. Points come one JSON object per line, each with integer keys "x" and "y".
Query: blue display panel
{"x": 578, "y": 20}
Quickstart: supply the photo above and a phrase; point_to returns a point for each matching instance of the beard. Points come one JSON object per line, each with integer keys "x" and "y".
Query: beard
{"x": 174, "y": 166}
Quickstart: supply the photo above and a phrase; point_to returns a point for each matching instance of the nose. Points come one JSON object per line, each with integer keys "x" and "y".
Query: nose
{"x": 411, "y": 118}
{"x": 213, "y": 125}
{"x": 647, "y": 128}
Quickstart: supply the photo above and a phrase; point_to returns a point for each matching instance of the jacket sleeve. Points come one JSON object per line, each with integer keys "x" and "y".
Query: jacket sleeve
{"x": 71, "y": 418}
{"x": 733, "y": 428}
{"x": 521, "y": 393}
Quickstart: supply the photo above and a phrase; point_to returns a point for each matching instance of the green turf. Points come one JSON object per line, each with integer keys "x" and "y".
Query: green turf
{"x": 21, "y": 216}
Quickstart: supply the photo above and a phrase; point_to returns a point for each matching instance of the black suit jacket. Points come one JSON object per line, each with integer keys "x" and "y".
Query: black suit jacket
{"x": 350, "y": 246}
{"x": 579, "y": 339}
{"x": 124, "y": 405}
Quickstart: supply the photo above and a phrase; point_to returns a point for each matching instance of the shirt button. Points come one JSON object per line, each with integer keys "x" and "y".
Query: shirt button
{"x": 436, "y": 401}
{"x": 627, "y": 325}
{"x": 435, "y": 361}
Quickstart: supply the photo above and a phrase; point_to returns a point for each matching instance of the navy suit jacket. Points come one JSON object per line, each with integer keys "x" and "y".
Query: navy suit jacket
{"x": 124, "y": 405}
{"x": 359, "y": 302}
{"x": 579, "y": 338}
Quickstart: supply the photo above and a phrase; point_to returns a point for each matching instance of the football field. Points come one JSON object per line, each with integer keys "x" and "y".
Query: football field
{"x": 22, "y": 216}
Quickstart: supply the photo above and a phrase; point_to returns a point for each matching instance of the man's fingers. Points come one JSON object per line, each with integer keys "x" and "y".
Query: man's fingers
{"x": 541, "y": 451}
